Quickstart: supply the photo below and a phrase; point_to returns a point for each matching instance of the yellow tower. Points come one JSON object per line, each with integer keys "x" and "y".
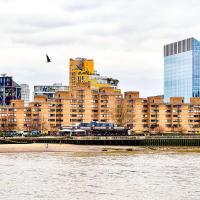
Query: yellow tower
{"x": 79, "y": 70}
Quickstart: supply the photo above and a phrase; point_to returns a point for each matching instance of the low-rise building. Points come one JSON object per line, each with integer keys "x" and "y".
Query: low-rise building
{"x": 84, "y": 104}
{"x": 153, "y": 115}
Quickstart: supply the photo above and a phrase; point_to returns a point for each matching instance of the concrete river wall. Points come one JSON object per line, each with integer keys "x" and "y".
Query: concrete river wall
{"x": 110, "y": 140}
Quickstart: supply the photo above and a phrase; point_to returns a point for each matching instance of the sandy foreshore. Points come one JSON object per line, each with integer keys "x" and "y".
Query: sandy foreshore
{"x": 92, "y": 150}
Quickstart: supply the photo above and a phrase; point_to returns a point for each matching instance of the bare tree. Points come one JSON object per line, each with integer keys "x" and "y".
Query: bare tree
{"x": 4, "y": 123}
{"x": 54, "y": 130}
{"x": 182, "y": 130}
{"x": 43, "y": 124}
{"x": 122, "y": 115}
{"x": 7, "y": 122}
{"x": 159, "y": 130}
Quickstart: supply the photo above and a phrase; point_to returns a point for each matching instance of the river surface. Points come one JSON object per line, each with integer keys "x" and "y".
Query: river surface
{"x": 46, "y": 176}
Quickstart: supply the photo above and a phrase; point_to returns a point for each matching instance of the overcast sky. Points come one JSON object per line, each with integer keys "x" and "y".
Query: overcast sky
{"x": 124, "y": 37}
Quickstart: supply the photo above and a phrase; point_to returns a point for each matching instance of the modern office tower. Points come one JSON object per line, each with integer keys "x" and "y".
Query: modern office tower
{"x": 182, "y": 69}
{"x": 25, "y": 93}
{"x": 49, "y": 90}
{"x": 9, "y": 90}
{"x": 81, "y": 70}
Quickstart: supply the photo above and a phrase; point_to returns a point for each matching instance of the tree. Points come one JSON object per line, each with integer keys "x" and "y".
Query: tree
{"x": 44, "y": 125}
{"x": 122, "y": 114}
{"x": 4, "y": 123}
{"x": 182, "y": 130}
{"x": 54, "y": 130}
{"x": 159, "y": 129}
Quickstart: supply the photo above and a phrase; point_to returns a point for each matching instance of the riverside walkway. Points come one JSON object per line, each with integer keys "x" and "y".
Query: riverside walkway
{"x": 189, "y": 140}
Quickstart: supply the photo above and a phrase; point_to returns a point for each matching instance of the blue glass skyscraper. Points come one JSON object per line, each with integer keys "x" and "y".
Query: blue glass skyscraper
{"x": 182, "y": 69}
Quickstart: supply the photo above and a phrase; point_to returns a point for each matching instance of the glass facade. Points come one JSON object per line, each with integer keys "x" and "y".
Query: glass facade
{"x": 49, "y": 90}
{"x": 8, "y": 90}
{"x": 25, "y": 93}
{"x": 182, "y": 69}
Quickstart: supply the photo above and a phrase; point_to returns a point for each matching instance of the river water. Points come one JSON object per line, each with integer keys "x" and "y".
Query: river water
{"x": 46, "y": 176}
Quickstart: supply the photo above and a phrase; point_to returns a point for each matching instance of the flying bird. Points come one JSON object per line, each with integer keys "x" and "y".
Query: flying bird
{"x": 48, "y": 59}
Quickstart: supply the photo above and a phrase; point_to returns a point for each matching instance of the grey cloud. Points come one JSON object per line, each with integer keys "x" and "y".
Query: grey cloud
{"x": 43, "y": 22}
{"x": 124, "y": 37}
{"x": 42, "y": 41}
{"x": 79, "y": 5}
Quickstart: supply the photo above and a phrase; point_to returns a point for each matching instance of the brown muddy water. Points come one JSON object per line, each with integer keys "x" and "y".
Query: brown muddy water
{"x": 46, "y": 176}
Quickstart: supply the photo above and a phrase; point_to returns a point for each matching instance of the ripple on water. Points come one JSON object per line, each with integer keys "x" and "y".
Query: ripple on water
{"x": 61, "y": 176}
